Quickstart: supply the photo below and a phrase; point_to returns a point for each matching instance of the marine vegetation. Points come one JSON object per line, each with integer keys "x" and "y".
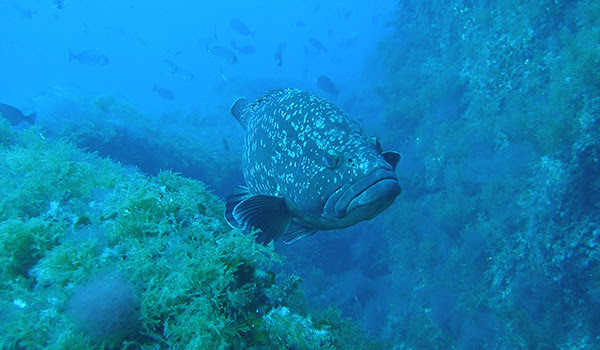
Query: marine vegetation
{"x": 495, "y": 242}
{"x": 116, "y": 129}
{"x": 95, "y": 255}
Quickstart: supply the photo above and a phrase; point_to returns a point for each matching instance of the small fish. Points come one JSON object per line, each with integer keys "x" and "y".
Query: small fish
{"x": 325, "y": 84}
{"x": 344, "y": 14}
{"x": 89, "y": 57}
{"x": 223, "y": 76}
{"x": 224, "y": 54}
{"x": 241, "y": 27}
{"x": 279, "y": 54}
{"x": 308, "y": 167}
{"x": 171, "y": 66}
{"x": 164, "y": 92}
{"x": 24, "y": 12}
{"x": 246, "y": 49}
{"x": 58, "y": 4}
{"x": 349, "y": 41}
{"x": 175, "y": 70}
{"x": 316, "y": 43}
{"x": 225, "y": 144}
{"x": 15, "y": 116}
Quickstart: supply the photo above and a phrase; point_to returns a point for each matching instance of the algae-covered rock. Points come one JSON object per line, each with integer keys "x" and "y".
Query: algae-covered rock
{"x": 191, "y": 144}
{"x": 494, "y": 243}
{"x": 94, "y": 255}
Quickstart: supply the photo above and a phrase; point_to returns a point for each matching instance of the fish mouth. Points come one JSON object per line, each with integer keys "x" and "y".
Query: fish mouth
{"x": 365, "y": 198}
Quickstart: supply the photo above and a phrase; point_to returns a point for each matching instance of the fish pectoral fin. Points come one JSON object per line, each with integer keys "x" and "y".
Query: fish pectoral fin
{"x": 239, "y": 194}
{"x": 266, "y": 213}
{"x": 392, "y": 158}
{"x": 240, "y": 110}
{"x": 297, "y": 231}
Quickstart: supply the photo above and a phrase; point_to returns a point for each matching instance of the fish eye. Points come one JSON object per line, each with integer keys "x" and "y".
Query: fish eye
{"x": 377, "y": 144}
{"x": 331, "y": 159}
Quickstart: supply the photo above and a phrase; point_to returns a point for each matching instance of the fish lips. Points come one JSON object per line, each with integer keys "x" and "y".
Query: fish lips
{"x": 366, "y": 198}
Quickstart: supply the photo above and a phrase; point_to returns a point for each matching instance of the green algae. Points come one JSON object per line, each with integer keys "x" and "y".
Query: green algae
{"x": 68, "y": 217}
{"x": 112, "y": 127}
{"x": 504, "y": 210}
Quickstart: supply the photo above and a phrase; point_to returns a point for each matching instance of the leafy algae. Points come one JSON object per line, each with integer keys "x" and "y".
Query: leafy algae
{"x": 184, "y": 279}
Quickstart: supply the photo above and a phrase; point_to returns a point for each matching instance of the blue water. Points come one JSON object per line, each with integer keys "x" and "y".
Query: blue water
{"x": 493, "y": 242}
{"x": 138, "y": 37}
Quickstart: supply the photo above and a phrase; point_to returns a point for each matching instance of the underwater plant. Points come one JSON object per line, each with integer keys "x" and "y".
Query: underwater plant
{"x": 498, "y": 106}
{"x": 95, "y": 255}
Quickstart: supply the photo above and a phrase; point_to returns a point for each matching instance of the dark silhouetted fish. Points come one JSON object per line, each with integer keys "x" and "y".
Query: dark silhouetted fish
{"x": 164, "y": 92}
{"x": 325, "y": 84}
{"x": 245, "y": 50}
{"x": 349, "y": 41}
{"x": 223, "y": 54}
{"x": 89, "y": 57}
{"x": 316, "y": 43}
{"x": 223, "y": 76}
{"x": 279, "y": 54}
{"x": 241, "y": 27}
{"x": 307, "y": 167}
{"x": 15, "y": 116}
{"x": 175, "y": 70}
{"x": 58, "y": 4}
{"x": 225, "y": 144}
{"x": 344, "y": 14}
{"x": 24, "y": 12}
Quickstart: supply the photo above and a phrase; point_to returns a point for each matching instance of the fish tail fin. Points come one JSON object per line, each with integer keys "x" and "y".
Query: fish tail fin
{"x": 31, "y": 118}
{"x": 71, "y": 56}
{"x": 240, "y": 111}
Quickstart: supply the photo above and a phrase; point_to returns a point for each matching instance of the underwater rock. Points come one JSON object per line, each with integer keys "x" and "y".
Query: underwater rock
{"x": 105, "y": 309}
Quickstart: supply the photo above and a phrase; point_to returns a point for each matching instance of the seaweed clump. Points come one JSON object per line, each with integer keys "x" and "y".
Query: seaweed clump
{"x": 95, "y": 255}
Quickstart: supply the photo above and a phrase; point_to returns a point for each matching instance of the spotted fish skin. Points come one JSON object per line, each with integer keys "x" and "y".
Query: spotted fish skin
{"x": 307, "y": 167}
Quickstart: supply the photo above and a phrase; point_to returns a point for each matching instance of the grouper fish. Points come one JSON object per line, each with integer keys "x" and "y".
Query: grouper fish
{"x": 307, "y": 167}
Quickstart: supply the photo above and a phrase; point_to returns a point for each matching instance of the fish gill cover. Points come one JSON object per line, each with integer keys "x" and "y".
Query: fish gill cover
{"x": 492, "y": 244}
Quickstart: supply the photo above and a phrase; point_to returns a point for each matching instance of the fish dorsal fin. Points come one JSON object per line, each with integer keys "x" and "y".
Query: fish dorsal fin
{"x": 266, "y": 213}
{"x": 297, "y": 231}
{"x": 270, "y": 95}
{"x": 242, "y": 109}
{"x": 392, "y": 158}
